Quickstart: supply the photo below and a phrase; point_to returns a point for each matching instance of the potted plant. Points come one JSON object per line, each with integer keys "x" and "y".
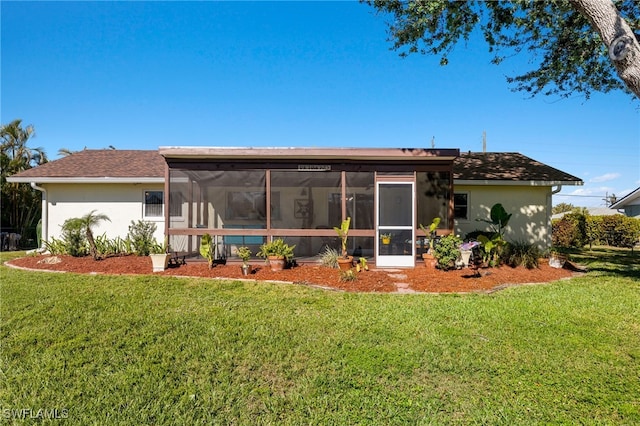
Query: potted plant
{"x": 159, "y": 256}
{"x": 345, "y": 261}
{"x": 244, "y": 253}
{"x": 428, "y": 256}
{"x": 276, "y": 252}
{"x": 385, "y": 238}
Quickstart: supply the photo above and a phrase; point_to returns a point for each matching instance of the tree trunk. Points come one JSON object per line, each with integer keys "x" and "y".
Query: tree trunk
{"x": 618, "y": 38}
{"x": 93, "y": 250}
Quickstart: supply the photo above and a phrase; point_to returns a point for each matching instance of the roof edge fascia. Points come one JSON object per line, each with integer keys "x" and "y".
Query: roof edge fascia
{"x": 485, "y": 182}
{"x": 105, "y": 179}
{"x": 626, "y": 200}
{"x": 314, "y": 153}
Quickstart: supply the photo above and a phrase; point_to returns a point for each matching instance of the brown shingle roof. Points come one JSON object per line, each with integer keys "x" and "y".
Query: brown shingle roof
{"x": 507, "y": 166}
{"x": 472, "y": 166}
{"x": 104, "y": 163}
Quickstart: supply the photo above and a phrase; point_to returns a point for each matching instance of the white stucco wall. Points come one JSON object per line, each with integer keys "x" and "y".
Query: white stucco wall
{"x": 122, "y": 203}
{"x": 530, "y": 206}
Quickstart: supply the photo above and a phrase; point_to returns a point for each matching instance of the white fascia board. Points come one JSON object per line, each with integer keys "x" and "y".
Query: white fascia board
{"x": 626, "y": 200}
{"x": 40, "y": 180}
{"x": 515, "y": 182}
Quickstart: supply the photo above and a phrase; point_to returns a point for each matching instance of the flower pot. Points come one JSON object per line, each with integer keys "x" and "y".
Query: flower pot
{"x": 276, "y": 263}
{"x": 466, "y": 255}
{"x": 246, "y": 269}
{"x": 345, "y": 263}
{"x": 386, "y": 240}
{"x": 159, "y": 261}
{"x": 429, "y": 260}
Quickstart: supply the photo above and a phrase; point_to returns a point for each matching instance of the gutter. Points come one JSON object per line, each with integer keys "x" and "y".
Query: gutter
{"x": 45, "y": 215}
{"x": 555, "y": 191}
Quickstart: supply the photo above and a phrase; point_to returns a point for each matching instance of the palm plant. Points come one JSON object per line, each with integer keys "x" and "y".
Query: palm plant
{"x": 343, "y": 233}
{"x": 21, "y": 203}
{"x": 87, "y": 222}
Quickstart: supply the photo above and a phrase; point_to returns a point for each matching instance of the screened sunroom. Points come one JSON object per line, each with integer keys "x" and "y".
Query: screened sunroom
{"x": 246, "y": 196}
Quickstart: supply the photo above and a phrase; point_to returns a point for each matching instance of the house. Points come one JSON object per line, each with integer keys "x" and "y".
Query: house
{"x": 241, "y": 196}
{"x": 630, "y": 203}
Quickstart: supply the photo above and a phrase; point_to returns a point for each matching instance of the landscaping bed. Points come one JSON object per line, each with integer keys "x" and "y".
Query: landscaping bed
{"x": 419, "y": 279}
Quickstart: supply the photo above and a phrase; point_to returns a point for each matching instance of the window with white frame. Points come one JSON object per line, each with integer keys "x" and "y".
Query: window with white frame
{"x": 461, "y": 205}
{"x": 153, "y": 204}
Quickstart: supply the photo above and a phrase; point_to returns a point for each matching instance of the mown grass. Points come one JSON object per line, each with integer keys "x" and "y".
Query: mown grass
{"x": 154, "y": 350}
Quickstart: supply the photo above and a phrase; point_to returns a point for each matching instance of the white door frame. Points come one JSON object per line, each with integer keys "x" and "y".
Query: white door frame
{"x": 403, "y": 252}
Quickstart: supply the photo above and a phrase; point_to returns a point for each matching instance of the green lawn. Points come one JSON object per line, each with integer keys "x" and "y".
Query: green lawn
{"x": 153, "y": 350}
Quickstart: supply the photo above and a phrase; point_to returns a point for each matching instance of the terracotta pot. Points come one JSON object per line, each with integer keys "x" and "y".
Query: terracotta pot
{"x": 429, "y": 260}
{"x": 276, "y": 263}
{"x": 345, "y": 263}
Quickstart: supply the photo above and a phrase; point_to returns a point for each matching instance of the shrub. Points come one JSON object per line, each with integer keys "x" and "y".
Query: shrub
{"x": 593, "y": 227}
{"x": 570, "y": 230}
{"x": 141, "y": 237}
{"x": 473, "y": 235}
{"x": 74, "y": 237}
{"x": 329, "y": 257}
{"x": 55, "y": 247}
{"x": 447, "y": 251}
{"x": 521, "y": 253}
{"x": 112, "y": 247}
{"x": 620, "y": 231}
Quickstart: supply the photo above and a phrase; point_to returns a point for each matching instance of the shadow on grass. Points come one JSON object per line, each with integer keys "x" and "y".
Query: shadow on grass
{"x": 609, "y": 261}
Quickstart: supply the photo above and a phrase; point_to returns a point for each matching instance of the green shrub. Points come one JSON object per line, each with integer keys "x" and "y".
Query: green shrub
{"x": 141, "y": 237}
{"x": 74, "y": 237}
{"x": 447, "y": 251}
{"x": 594, "y": 228}
{"x": 620, "y": 231}
{"x": 112, "y": 247}
{"x": 520, "y": 253}
{"x": 55, "y": 247}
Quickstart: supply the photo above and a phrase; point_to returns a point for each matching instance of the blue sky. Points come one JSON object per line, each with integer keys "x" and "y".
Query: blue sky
{"x": 139, "y": 75}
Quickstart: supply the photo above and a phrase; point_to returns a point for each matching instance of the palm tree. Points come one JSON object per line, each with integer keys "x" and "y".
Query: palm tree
{"x": 64, "y": 152}
{"x": 20, "y": 203}
{"x": 87, "y": 222}
{"x": 14, "y": 140}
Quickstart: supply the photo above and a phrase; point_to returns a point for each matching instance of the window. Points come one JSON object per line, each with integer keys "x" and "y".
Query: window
{"x": 461, "y": 206}
{"x": 153, "y": 203}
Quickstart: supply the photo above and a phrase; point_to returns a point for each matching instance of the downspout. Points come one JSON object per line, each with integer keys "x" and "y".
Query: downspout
{"x": 45, "y": 215}
{"x": 549, "y": 209}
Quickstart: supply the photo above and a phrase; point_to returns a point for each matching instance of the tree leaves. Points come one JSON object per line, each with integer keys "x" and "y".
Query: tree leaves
{"x": 567, "y": 54}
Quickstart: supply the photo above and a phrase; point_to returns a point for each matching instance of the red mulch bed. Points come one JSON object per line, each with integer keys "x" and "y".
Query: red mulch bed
{"x": 420, "y": 279}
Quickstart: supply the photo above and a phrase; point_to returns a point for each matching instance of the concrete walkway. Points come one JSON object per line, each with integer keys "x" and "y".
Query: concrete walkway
{"x": 401, "y": 287}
